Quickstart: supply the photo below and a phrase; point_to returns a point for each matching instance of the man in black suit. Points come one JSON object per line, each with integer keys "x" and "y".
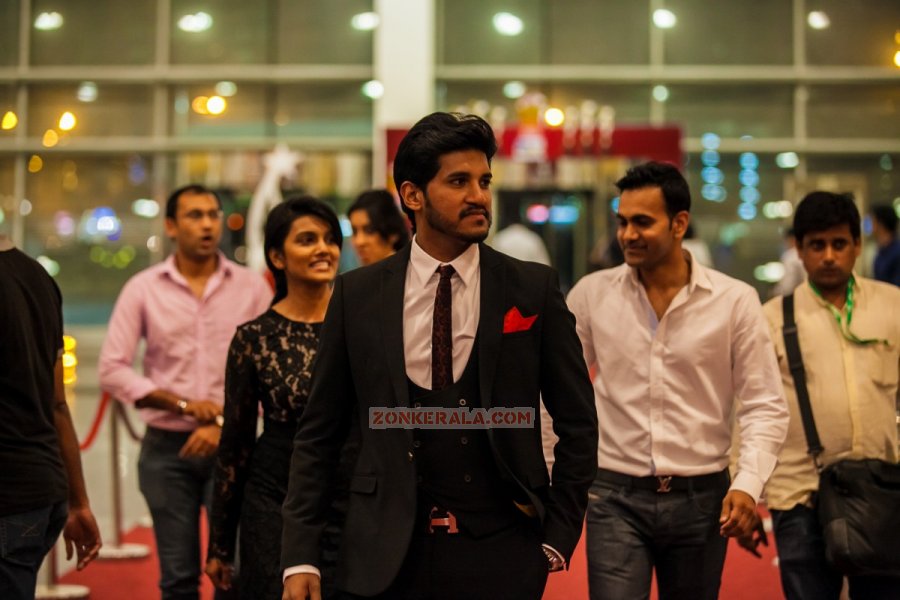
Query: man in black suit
{"x": 445, "y": 324}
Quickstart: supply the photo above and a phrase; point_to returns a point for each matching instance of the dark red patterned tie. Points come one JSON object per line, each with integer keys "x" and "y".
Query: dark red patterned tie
{"x": 442, "y": 333}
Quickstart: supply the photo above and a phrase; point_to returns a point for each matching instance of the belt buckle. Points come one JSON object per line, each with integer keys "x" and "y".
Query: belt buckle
{"x": 665, "y": 483}
{"x": 448, "y": 521}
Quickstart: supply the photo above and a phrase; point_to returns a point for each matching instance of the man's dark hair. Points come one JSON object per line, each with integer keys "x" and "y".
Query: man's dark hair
{"x": 418, "y": 156}
{"x": 886, "y": 216}
{"x": 666, "y": 177}
{"x": 278, "y": 226}
{"x": 384, "y": 215}
{"x": 820, "y": 211}
{"x": 191, "y": 188}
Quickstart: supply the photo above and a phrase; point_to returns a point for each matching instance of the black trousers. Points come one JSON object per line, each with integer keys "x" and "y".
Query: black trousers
{"x": 506, "y": 565}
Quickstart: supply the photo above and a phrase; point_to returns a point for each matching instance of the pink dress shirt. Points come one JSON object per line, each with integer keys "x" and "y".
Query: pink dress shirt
{"x": 186, "y": 337}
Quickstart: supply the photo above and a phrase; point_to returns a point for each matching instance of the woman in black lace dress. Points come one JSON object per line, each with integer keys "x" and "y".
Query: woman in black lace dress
{"x": 269, "y": 363}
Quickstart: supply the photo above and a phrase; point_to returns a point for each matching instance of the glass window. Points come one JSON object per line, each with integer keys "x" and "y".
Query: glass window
{"x": 222, "y": 32}
{"x": 9, "y": 32}
{"x": 732, "y": 111}
{"x": 730, "y": 32}
{"x": 858, "y": 33}
{"x": 630, "y": 102}
{"x": 323, "y": 109}
{"x": 468, "y": 34}
{"x": 121, "y": 33}
{"x": 83, "y": 220}
{"x": 321, "y": 31}
{"x": 99, "y": 109}
{"x": 854, "y": 111}
{"x": 597, "y": 32}
{"x": 245, "y": 113}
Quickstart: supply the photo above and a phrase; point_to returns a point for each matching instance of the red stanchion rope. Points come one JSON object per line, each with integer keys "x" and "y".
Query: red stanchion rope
{"x": 132, "y": 432}
{"x": 95, "y": 426}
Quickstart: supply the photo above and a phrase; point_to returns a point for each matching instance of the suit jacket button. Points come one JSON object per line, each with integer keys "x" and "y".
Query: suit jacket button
{"x": 462, "y": 401}
{"x": 410, "y": 456}
{"x": 420, "y": 479}
{"x": 467, "y": 478}
{"x": 463, "y": 440}
{"x": 416, "y": 444}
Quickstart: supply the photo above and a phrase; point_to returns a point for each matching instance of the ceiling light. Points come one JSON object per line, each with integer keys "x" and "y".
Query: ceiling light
{"x": 818, "y": 20}
{"x": 48, "y": 21}
{"x": 366, "y": 21}
{"x": 664, "y": 18}
{"x": 508, "y": 24}
{"x": 373, "y": 89}
{"x": 195, "y": 23}
{"x": 513, "y": 89}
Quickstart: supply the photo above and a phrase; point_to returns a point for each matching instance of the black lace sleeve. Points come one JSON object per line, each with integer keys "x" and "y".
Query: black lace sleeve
{"x": 238, "y": 438}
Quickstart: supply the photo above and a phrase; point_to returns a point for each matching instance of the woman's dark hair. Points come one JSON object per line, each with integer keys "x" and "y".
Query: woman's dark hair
{"x": 820, "y": 211}
{"x": 666, "y": 177}
{"x": 418, "y": 157}
{"x": 278, "y": 226}
{"x": 384, "y": 216}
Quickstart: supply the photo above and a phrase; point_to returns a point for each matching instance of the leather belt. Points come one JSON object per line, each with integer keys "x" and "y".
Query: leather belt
{"x": 663, "y": 484}
{"x": 441, "y": 518}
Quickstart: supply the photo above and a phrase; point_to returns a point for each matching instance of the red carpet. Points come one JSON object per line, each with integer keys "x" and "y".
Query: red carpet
{"x": 745, "y": 578}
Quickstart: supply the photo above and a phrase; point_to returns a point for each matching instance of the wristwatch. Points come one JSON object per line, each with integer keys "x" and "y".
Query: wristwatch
{"x": 182, "y": 405}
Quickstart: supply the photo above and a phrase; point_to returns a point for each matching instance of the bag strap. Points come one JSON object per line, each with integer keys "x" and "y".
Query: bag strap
{"x": 795, "y": 364}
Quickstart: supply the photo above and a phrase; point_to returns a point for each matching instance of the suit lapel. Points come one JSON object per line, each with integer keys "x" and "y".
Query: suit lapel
{"x": 490, "y": 322}
{"x": 393, "y": 281}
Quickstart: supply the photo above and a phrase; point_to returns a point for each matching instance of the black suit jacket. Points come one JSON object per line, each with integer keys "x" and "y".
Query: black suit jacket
{"x": 360, "y": 364}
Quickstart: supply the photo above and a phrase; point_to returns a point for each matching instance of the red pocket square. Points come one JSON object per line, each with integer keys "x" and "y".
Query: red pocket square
{"x": 514, "y": 321}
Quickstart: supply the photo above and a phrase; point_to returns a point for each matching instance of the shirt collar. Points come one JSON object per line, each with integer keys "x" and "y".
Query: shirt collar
{"x": 424, "y": 266}
{"x": 699, "y": 275}
{"x": 170, "y": 269}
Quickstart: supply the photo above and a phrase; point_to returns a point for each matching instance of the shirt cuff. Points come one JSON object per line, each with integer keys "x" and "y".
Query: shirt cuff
{"x": 300, "y": 569}
{"x": 749, "y": 484}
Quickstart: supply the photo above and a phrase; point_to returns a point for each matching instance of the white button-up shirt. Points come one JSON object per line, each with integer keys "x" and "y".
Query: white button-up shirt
{"x": 666, "y": 388}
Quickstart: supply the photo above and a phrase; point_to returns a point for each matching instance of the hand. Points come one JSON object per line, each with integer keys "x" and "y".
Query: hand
{"x": 738, "y": 513}
{"x": 219, "y": 573}
{"x": 302, "y": 586}
{"x": 205, "y": 411}
{"x": 203, "y": 442}
{"x": 82, "y": 536}
{"x": 756, "y": 537}
{"x": 554, "y": 561}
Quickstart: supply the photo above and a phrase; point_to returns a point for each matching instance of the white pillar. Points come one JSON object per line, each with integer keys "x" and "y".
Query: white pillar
{"x": 403, "y": 55}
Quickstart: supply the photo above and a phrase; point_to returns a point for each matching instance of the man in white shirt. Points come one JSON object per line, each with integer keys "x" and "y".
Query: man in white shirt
{"x": 676, "y": 345}
{"x": 446, "y": 324}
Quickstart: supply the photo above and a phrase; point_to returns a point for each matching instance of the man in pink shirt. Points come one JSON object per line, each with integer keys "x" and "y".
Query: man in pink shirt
{"x": 186, "y": 310}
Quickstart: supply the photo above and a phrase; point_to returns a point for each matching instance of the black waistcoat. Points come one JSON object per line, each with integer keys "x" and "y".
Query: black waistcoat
{"x": 455, "y": 467}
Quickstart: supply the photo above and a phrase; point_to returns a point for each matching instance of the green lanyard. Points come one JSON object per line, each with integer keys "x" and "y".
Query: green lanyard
{"x": 845, "y": 330}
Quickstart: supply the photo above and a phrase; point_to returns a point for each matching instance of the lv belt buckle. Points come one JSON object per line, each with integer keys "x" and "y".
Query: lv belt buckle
{"x": 664, "y": 484}
{"x": 448, "y": 521}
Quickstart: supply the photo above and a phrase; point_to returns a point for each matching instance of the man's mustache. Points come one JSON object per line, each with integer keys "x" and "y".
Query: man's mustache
{"x": 475, "y": 211}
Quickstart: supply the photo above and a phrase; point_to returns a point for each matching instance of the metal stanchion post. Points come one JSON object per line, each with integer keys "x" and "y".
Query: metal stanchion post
{"x": 53, "y": 591}
{"x": 118, "y": 550}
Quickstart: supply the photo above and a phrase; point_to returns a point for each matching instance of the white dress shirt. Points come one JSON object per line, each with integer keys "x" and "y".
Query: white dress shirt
{"x": 666, "y": 388}
{"x": 418, "y": 310}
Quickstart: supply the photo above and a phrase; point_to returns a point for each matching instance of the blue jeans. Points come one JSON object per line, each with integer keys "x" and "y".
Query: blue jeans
{"x": 806, "y": 574}
{"x": 631, "y": 531}
{"x": 25, "y": 539}
{"x": 175, "y": 490}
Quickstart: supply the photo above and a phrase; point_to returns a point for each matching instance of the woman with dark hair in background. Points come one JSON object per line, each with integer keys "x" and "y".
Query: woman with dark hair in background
{"x": 270, "y": 362}
{"x": 379, "y": 228}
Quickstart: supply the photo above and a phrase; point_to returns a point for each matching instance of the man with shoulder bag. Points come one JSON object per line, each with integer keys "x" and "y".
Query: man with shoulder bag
{"x": 835, "y": 494}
